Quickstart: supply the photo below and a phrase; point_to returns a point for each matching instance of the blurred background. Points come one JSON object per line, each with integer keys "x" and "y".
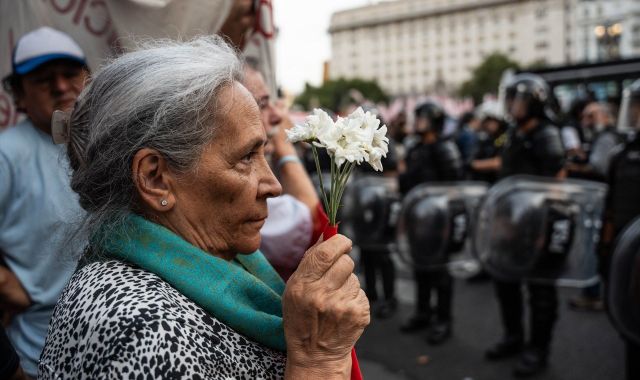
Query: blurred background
{"x": 392, "y": 58}
{"x": 395, "y": 52}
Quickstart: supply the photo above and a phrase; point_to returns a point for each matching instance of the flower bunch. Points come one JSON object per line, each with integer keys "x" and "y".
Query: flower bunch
{"x": 349, "y": 142}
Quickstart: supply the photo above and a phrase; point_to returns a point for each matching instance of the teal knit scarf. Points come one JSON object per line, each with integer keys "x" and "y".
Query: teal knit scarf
{"x": 245, "y": 294}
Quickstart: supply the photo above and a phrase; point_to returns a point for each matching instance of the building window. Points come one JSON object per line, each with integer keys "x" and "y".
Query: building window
{"x": 542, "y": 45}
{"x": 541, "y": 12}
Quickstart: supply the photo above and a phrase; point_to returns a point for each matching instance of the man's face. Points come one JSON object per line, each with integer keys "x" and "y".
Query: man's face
{"x": 52, "y": 86}
{"x": 269, "y": 114}
{"x": 589, "y": 116}
{"x": 518, "y": 109}
{"x": 490, "y": 126}
{"x": 422, "y": 125}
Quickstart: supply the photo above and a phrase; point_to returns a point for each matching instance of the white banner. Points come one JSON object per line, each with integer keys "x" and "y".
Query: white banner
{"x": 105, "y": 27}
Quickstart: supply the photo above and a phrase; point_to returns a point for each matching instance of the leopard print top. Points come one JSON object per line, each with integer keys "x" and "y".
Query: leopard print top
{"x": 116, "y": 321}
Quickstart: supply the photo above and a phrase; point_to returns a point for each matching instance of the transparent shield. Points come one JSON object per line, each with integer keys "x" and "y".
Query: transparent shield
{"x": 624, "y": 283}
{"x": 370, "y": 209}
{"x": 629, "y": 116}
{"x": 540, "y": 229}
{"x": 434, "y": 225}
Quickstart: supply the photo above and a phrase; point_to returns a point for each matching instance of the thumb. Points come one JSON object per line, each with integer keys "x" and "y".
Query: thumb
{"x": 320, "y": 240}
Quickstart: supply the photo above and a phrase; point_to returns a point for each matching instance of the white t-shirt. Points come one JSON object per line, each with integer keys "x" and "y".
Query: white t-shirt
{"x": 286, "y": 234}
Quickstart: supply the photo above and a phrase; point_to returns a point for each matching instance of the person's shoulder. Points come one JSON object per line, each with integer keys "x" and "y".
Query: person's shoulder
{"x": 546, "y": 134}
{"x": 113, "y": 306}
{"x": 17, "y": 142}
{"x": 124, "y": 289}
{"x": 447, "y": 147}
{"x": 546, "y": 130}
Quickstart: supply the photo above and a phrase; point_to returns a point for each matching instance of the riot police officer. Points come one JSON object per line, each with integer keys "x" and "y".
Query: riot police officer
{"x": 533, "y": 147}
{"x": 622, "y": 200}
{"x": 485, "y": 162}
{"x": 433, "y": 158}
{"x": 376, "y": 258}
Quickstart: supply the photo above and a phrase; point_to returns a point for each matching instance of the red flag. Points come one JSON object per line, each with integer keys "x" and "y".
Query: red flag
{"x": 328, "y": 232}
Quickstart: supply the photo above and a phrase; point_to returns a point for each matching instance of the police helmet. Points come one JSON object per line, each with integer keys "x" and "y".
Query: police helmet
{"x": 533, "y": 91}
{"x": 629, "y": 119}
{"x": 434, "y": 116}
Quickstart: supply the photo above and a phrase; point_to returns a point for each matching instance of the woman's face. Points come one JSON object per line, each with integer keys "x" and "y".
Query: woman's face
{"x": 224, "y": 200}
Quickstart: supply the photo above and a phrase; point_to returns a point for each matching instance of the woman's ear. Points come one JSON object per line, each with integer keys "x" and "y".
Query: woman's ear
{"x": 153, "y": 180}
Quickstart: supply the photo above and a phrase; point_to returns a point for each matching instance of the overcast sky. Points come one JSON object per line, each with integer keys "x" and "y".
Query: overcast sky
{"x": 303, "y": 43}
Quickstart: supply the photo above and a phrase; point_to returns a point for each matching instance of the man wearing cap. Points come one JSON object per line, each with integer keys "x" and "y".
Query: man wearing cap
{"x": 38, "y": 209}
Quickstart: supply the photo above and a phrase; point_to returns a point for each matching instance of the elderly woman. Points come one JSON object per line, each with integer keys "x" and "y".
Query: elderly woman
{"x": 167, "y": 150}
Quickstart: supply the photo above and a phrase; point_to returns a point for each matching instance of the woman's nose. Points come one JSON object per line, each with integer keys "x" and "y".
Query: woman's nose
{"x": 269, "y": 186}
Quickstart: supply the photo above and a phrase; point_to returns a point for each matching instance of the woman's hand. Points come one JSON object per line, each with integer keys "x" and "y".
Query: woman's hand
{"x": 324, "y": 312}
{"x": 13, "y": 297}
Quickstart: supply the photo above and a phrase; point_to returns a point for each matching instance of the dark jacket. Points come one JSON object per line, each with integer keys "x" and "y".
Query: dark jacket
{"x": 435, "y": 162}
{"x": 537, "y": 152}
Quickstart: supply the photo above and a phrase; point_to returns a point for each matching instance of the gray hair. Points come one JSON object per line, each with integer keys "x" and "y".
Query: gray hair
{"x": 160, "y": 97}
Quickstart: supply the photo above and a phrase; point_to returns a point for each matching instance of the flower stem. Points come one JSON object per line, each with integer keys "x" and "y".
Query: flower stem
{"x": 343, "y": 186}
{"x": 316, "y": 159}
{"x": 332, "y": 204}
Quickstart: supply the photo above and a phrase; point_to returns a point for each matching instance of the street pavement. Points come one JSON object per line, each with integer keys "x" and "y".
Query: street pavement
{"x": 585, "y": 346}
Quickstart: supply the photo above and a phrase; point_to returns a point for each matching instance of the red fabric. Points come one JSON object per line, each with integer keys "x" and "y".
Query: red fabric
{"x": 320, "y": 222}
{"x": 328, "y": 232}
{"x": 355, "y": 367}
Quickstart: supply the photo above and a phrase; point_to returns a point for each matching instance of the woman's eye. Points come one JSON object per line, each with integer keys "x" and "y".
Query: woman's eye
{"x": 248, "y": 157}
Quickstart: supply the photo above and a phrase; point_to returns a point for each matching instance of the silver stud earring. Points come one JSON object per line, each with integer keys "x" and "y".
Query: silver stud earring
{"x": 164, "y": 202}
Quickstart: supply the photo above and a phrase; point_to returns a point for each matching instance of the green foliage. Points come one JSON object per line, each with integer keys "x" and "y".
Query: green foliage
{"x": 486, "y": 77}
{"x": 537, "y": 64}
{"x": 335, "y": 94}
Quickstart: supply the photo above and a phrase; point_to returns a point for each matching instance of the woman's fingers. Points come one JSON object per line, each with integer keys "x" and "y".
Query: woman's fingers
{"x": 339, "y": 273}
{"x": 320, "y": 258}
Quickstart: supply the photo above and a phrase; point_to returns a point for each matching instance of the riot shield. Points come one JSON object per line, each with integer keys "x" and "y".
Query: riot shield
{"x": 370, "y": 208}
{"x": 624, "y": 283}
{"x": 541, "y": 230}
{"x": 434, "y": 223}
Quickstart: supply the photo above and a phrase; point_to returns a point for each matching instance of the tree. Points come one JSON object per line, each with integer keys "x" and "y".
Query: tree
{"x": 334, "y": 94}
{"x": 486, "y": 77}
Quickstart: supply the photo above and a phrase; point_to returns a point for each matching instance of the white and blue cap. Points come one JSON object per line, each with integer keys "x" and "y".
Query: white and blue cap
{"x": 44, "y": 45}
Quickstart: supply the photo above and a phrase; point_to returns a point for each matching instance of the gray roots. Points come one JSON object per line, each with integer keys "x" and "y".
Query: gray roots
{"x": 163, "y": 97}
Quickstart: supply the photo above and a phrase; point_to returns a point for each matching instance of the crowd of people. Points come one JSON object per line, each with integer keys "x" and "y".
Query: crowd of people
{"x": 134, "y": 209}
{"x": 155, "y": 221}
{"x": 523, "y": 134}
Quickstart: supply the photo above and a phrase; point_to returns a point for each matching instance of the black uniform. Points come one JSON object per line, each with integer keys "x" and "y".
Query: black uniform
{"x": 437, "y": 162}
{"x": 488, "y": 147}
{"x": 538, "y": 152}
{"x": 378, "y": 260}
{"x": 622, "y": 207}
{"x": 624, "y": 185}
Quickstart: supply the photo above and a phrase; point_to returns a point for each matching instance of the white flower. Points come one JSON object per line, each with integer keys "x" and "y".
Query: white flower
{"x": 356, "y": 138}
{"x": 299, "y": 133}
{"x": 344, "y": 141}
{"x": 316, "y": 124}
{"x": 365, "y": 128}
{"x": 375, "y": 158}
